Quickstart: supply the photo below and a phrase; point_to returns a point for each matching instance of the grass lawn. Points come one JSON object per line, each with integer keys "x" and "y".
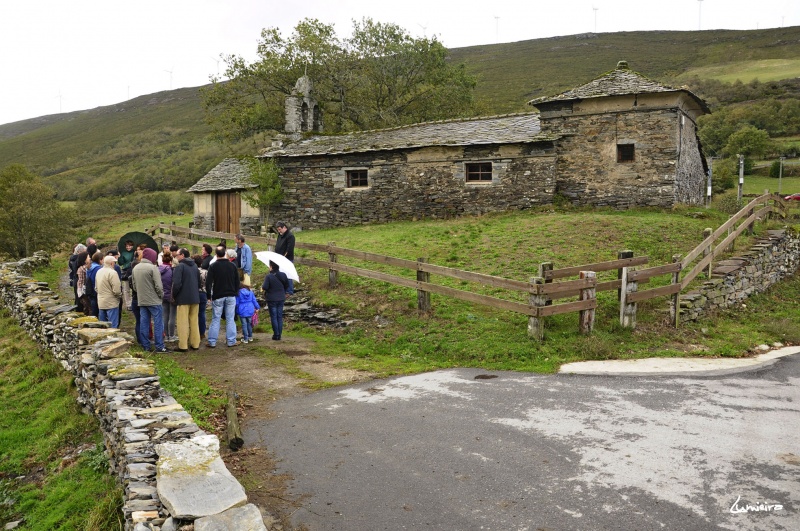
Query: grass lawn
{"x": 53, "y": 470}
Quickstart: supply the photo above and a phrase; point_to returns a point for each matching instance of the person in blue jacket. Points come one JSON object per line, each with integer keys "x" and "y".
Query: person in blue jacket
{"x": 276, "y": 285}
{"x": 246, "y": 306}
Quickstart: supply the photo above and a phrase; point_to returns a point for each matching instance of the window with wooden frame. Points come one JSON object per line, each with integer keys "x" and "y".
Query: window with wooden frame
{"x": 357, "y": 178}
{"x": 478, "y": 172}
{"x": 626, "y": 152}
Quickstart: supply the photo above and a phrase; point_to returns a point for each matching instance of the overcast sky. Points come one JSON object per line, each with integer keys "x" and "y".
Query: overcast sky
{"x": 68, "y": 55}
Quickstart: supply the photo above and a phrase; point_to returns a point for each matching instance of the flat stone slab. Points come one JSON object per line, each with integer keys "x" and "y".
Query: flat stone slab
{"x": 192, "y": 479}
{"x": 673, "y": 366}
{"x": 127, "y": 368}
{"x": 93, "y": 335}
{"x": 247, "y": 518}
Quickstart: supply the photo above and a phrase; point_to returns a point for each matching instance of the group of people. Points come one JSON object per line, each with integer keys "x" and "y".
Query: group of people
{"x": 168, "y": 293}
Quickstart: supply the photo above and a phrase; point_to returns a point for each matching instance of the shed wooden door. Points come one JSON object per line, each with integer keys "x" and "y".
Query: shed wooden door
{"x": 228, "y": 209}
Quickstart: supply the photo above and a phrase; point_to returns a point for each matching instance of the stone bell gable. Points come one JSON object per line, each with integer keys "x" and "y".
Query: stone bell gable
{"x": 626, "y": 140}
{"x": 303, "y": 114}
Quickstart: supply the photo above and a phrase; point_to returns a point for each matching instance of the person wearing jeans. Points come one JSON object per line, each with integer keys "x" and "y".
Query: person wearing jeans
{"x": 146, "y": 282}
{"x": 222, "y": 283}
{"x": 276, "y": 285}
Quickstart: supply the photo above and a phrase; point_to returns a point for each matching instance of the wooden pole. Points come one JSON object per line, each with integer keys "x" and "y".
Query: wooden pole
{"x": 627, "y": 311}
{"x": 621, "y": 255}
{"x": 708, "y": 250}
{"x": 233, "y": 432}
{"x": 586, "y": 317}
{"x": 423, "y": 297}
{"x": 543, "y": 268}
{"x": 333, "y": 275}
{"x": 536, "y": 324}
{"x": 676, "y": 298}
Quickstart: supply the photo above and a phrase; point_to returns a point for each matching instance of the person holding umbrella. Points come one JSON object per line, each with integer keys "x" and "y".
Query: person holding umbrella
{"x": 284, "y": 246}
{"x": 276, "y": 286}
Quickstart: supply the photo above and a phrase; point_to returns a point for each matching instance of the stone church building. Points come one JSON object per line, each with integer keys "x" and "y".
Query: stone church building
{"x": 621, "y": 140}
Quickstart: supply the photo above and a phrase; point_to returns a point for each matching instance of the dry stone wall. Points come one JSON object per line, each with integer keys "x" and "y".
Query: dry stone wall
{"x": 732, "y": 281}
{"x": 171, "y": 469}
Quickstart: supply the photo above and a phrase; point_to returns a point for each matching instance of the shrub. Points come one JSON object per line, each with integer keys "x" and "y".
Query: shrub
{"x": 730, "y": 204}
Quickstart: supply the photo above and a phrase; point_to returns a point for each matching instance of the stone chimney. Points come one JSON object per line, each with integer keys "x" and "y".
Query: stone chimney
{"x": 622, "y": 65}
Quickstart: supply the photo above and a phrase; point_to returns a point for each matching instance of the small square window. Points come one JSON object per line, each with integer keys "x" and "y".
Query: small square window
{"x": 626, "y": 152}
{"x": 478, "y": 172}
{"x": 357, "y": 179}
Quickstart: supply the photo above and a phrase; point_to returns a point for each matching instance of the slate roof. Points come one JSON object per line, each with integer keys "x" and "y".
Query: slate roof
{"x": 230, "y": 174}
{"x": 616, "y": 83}
{"x": 510, "y": 128}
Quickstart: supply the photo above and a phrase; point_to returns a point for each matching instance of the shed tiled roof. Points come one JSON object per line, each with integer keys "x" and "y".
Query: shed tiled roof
{"x": 616, "y": 83}
{"x": 230, "y": 174}
{"x": 511, "y": 128}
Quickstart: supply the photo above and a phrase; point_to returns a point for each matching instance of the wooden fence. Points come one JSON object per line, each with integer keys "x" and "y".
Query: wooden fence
{"x": 541, "y": 291}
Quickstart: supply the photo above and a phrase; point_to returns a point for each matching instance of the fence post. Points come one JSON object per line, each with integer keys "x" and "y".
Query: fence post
{"x": 423, "y": 297}
{"x": 536, "y": 324}
{"x": 731, "y": 246}
{"x": 586, "y": 317}
{"x": 333, "y": 275}
{"x": 627, "y": 310}
{"x": 543, "y": 268}
{"x": 708, "y": 250}
{"x": 766, "y": 203}
{"x": 620, "y": 272}
{"x": 753, "y": 223}
{"x": 676, "y": 297}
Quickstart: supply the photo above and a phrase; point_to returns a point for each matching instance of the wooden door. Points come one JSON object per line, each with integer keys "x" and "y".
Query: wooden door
{"x": 228, "y": 210}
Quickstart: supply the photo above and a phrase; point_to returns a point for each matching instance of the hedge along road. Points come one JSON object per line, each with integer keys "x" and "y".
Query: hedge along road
{"x": 469, "y": 449}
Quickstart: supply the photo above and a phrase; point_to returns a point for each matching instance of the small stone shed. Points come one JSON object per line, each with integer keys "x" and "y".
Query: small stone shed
{"x": 218, "y": 203}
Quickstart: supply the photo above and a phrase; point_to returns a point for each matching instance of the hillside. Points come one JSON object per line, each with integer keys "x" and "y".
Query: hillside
{"x": 160, "y": 141}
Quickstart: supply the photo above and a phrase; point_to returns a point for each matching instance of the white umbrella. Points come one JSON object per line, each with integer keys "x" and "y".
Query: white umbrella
{"x": 284, "y": 263}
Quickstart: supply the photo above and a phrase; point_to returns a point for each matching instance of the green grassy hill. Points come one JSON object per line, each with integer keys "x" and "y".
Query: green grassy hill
{"x": 511, "y": 74}
{"x": 160, "y": 141}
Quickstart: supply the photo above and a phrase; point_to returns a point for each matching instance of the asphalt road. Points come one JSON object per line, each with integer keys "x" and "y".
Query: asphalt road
{"x": 470, "y": 449}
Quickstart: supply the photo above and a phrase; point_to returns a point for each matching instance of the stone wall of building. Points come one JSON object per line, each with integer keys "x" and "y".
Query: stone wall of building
{"x": 769, "y": 261}
{"x": 588, "y": 171}
{"x": 690, "y": 180}
{"x": 414, "y": 184}
{"x": 171, "y": 469}
{"x": 203, "y": 221}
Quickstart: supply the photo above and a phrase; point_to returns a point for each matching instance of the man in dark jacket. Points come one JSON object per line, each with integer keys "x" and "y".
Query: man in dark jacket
{"x": 284, "y": 245}
{"x": 222, "y": 285}
{"x": 186, "y": 295}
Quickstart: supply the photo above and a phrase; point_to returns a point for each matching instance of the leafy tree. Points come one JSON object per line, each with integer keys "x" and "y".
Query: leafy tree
{"x": 30, "y": 217}
{"x": 748, "y": 141}
{"x": 268, "y": 193}
{"x": 724, "y": 175}
{"x": 379, "y": 77}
